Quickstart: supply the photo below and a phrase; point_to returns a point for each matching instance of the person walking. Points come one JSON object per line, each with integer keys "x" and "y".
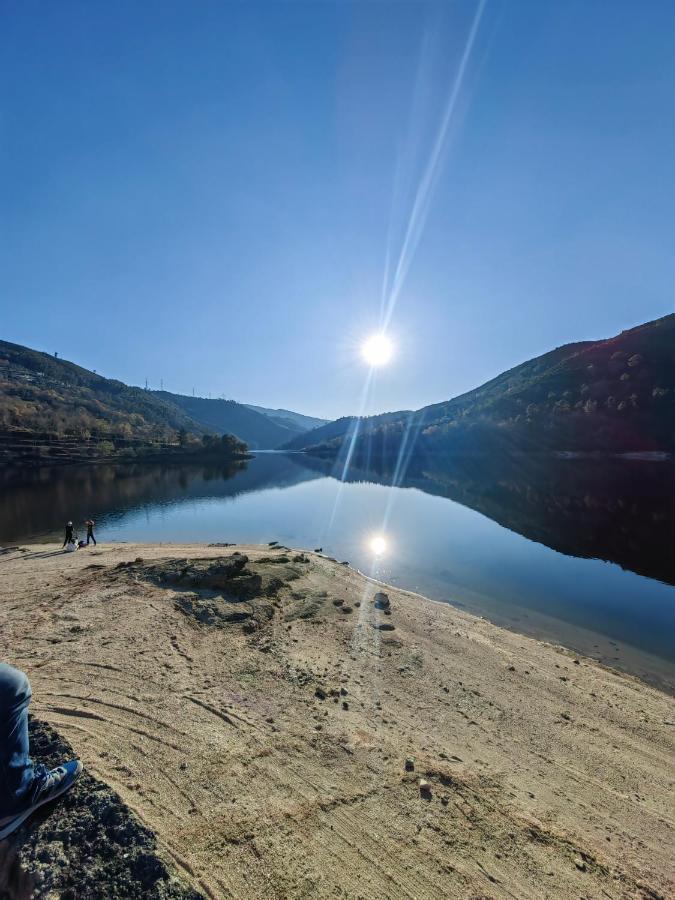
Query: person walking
{"x": 90, "y": 531}
{"x": 23, "y": 786}
{"x": 68, "y": 539}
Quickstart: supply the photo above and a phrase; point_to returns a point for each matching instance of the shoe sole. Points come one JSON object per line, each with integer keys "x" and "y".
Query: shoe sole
{"x": 21, "y": 818}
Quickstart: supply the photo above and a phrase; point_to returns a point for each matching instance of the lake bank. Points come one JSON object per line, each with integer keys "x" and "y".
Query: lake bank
{"x": 24, "y": 451}
{"x": 264, "y": 741}
{"x": 546, "y": 551}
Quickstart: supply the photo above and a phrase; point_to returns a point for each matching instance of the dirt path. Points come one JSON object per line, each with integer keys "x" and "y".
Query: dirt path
{"x": 263, "y": 737}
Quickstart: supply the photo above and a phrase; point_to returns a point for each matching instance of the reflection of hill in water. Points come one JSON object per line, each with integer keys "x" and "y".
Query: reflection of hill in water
{"x": 40, "y": 501}
{"x": 621, "y": 511}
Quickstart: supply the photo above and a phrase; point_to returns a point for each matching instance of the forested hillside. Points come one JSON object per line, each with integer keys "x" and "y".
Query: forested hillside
{"x": 54, "y": 411}
{"x": 615, "y": 395}
{"x": 41, "y": 393}
{"x": 259, "y": 431}
{"x": 289, "y": 419}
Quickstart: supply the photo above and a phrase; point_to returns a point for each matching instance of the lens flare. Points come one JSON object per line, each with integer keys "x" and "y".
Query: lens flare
{"x": 377, "y": 350}
{"x": 378, "y": 545}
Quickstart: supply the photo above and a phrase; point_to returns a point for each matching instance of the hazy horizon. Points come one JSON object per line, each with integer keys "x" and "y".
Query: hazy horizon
{"x": 231, "y": 198}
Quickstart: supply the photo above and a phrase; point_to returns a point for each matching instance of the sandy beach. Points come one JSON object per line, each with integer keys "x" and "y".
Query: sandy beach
{"x": 286, "y": 733}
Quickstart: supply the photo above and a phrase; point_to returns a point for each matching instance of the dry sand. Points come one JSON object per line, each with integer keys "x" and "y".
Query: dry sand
{"x": 549, "y": 775}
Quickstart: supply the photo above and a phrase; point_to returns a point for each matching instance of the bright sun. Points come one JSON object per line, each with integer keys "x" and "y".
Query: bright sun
{"x": 377, "y": 350}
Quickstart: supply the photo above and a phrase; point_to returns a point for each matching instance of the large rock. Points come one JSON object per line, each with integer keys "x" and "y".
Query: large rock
{"x": 227, "y": 575}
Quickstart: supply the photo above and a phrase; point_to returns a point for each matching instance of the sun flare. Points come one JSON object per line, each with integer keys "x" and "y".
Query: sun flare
{"x": 377, "y": 350}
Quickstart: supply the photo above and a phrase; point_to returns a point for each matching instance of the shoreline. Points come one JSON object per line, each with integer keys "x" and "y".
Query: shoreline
{"x": 614, "y": 654}
{"x": 661, "y": 676}
{"x": 263, "y": 739}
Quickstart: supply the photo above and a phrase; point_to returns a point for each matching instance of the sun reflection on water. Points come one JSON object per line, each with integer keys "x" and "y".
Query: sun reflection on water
{"x": 378, "y": 545}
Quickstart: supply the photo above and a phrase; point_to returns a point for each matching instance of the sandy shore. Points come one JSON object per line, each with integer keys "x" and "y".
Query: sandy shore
{"x": 258, "y": 719}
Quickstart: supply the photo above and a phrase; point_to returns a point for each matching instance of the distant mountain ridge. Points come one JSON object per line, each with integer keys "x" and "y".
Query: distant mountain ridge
{"x": 289, "y": 419}
{"x": 613, "y": 395}
{"x": 259, "y": 431}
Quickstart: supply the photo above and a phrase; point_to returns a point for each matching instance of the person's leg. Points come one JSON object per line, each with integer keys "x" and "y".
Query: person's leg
{"x": 16, "y": 768}
{"x": 24, "y": 788}
{"x": 93, "y": 538}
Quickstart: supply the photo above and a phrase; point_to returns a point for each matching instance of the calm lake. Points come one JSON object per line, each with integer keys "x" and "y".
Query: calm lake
{"x": 578, "y": 552}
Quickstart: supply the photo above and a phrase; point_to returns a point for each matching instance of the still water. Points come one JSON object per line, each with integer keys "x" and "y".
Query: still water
{"x": 574, "y": 551}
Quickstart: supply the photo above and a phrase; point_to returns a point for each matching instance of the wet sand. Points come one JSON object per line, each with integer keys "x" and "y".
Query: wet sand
{"x": 258, "y": 719}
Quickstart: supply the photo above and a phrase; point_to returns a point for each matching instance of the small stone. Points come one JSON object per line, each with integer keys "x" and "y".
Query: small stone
{"x": 425, "y": 788}
{"x": 320, "y": 693}
{"x": 382, "y": 600}
{"x": 183, "y": 766}
{"x": 580, "y": 864}
{"x": 345, "y": 705}
{"x": 410, "y": 764}
{"x": 512, "y": 668}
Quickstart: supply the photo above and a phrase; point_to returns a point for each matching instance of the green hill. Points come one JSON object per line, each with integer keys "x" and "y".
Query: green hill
{"x": 40, "y": 393}
{"x": 332, "y": 434}
{"x": 53, "y": 409}
{"x": 615, "y": 395}
{"x": 259, "y": 431}
{"x": 289, "y": 419}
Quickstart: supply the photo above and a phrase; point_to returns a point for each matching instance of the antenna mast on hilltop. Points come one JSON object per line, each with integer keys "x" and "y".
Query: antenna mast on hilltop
{"x": 146, "y": 384}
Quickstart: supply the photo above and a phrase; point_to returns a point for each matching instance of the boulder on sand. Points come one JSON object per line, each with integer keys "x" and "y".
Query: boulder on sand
{"x": 382, "y": 600}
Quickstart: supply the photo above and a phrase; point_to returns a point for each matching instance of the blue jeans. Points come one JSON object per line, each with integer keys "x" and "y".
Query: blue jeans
{"x": 17, "y": 776}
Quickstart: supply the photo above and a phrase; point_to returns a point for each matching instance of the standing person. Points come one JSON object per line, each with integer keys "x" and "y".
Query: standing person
{"x": 69, "y": 534}
{"x": 90, "y": 531}
{"x": 23, "y": 786}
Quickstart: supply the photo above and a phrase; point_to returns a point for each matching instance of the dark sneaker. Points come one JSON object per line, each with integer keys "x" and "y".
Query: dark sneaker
{"x": 50, "y": 785}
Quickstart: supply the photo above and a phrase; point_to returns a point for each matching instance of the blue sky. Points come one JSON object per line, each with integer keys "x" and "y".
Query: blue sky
{"x": 208, "y": 193}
